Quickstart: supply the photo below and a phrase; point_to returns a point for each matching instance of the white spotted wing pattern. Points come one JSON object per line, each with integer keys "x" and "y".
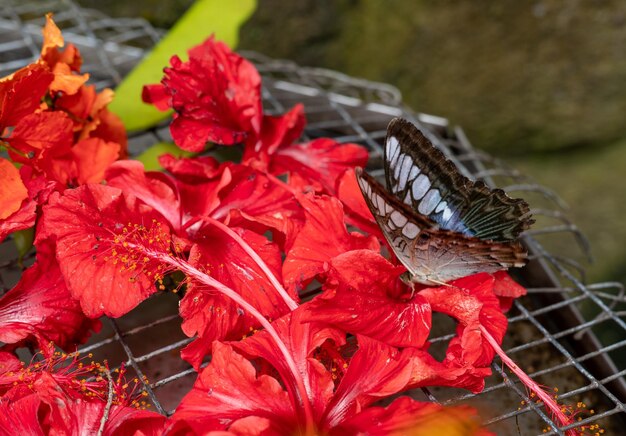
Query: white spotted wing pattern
{"x": 422, "y": 177}
{"x": 441, "y": 225}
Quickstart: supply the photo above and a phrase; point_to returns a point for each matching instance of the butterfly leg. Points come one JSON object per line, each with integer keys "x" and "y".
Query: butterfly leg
{"x": 407, "y": 279}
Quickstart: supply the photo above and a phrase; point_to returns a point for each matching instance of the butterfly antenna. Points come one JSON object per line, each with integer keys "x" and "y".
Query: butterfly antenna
{"x": 440, "y": 283}
{"x": 466, "y": 290}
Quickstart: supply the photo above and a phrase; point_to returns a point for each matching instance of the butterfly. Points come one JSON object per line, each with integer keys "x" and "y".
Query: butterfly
{"x": 440, "y": 224}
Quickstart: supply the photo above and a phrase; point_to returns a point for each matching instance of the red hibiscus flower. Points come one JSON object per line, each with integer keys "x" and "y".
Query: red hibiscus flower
{"x": 56, "y": 396}
{"x": 362, "y": 295}
{"x": 100, "y": 234}
{"x": 200, "y": 188}
{"x": 215, "y": 95}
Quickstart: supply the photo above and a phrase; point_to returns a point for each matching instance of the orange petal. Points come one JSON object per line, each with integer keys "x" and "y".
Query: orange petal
{"x": 92, "y": 157}
{"x": 66, "y": 81}
{"x": 51, "y": 35}
{"x": 13, "y": 190}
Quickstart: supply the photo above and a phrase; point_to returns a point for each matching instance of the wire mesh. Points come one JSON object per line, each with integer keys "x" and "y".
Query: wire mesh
{"x": 553, "y": 332}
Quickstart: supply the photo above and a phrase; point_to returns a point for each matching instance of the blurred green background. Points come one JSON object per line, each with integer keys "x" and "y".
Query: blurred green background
{"x": 540, "y": 84}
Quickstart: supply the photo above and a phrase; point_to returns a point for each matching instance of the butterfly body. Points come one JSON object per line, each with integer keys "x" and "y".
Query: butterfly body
{"x": 440, "y": 224}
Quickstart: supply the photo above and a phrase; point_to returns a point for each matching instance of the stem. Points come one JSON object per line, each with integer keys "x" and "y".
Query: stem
{"x": 230, "y": 293}
{"x": 107, "y": 407}
{"x": 257, "y": 259}
{"x": 548, "y": 401}
{"x": 9, "y": 147}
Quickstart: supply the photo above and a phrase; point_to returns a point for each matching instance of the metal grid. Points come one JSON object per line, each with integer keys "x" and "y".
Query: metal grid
{"x": 553, "y": 332}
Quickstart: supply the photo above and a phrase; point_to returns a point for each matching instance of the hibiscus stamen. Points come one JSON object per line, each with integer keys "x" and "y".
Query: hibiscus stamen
{"x": 257, "y": 259}
{"x": 123, "y": 251}
{"x": 77, "y": 373}
{"x": 559, "y": 412}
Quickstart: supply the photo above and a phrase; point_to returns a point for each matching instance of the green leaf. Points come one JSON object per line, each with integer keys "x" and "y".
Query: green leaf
{"x": 202, "y": 19}
{"x": 150, "y": 157}
{"x": 23, "y": 240}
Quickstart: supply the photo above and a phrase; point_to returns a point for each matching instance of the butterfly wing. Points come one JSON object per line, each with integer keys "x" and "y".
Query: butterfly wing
{"x": 433, "y": 255}
{"x": 422, "y": 177}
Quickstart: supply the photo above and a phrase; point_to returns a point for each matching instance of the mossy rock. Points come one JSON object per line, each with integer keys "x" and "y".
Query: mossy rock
{"x": 518, "y": 76}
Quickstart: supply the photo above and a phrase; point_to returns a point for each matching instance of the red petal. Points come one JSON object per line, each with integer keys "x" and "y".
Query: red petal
{"x": 323, "y": 237}
{"x": 21, "y": 93}
{"x": 42, "y": 135}
{"x": 154, "y": 188}
{"x": 157, "y": 95}
{"x": 86, "y": 222}
{"x": 8, "y": 363}
{"x": 361, "y": 300}
{"x": 110, "y": 128}
{"x": 39, "y": 189}
{"x": 21, "y": 416}
{"x": 65, "y": 80}
{"x": 78, "y": 104}
{"x": 193, "y": 135}
{"x": 228, "y": 390}
{"x": 505, "y": 286}
{"x": 122, "y": 420}
{"x": 212, "y": 316}
{"x": 254, "y": 194}
{"x": 322, "y": 160}
{"x": 239, "y": 196}
{"x": 52, "y": 37}
{"x": 20, "y": 220}
{"x": 453, "y": 371}
{"x": 376, "y": 370}
{"x": 506, "y": 289}
{"x": 41, "y": 307}
{"x": 92, "y": 157}
{"x": 276, "y": 132}
{"x": 357, "y": 212}
{"x": 48, "y": 409}
{"x": 471, "y": 301}
{"x": 191, "y": 170}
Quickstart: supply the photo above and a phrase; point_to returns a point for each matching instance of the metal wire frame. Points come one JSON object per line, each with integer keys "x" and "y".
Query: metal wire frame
{"x": 553, "y": 332}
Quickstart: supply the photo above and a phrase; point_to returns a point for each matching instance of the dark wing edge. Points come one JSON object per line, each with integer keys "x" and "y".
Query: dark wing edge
{"x": 473, "y": 208}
